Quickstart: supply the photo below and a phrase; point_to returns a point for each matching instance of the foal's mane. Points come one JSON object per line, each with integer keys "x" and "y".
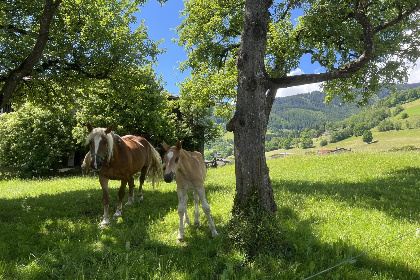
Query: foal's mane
{"x": 98, "y": 131}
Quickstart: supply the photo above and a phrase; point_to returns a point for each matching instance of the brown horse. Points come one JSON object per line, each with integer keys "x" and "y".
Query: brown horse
{"x": 190, "y": 173}
{"x": 119, "y": 158}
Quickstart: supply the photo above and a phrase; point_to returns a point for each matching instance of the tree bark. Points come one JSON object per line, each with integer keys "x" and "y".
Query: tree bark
{"x": 25, "y": 68}
{"x": 249, "y": 123}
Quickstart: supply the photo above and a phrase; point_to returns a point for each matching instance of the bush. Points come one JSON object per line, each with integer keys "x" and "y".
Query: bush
{"x": 367, "y": 136}
{"x": 385, "y": 125}
{"x": 34, "y": 139}
{"x": 323, "y": 142}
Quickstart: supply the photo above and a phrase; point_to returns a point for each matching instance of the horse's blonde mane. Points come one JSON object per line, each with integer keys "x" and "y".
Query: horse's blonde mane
{"x": 109, "y": 137}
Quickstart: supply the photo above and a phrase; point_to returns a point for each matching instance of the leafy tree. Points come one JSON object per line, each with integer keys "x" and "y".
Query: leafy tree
{"x": 35, "y": 139}
{"x": 404, "y": 115}
{"x": 323, "y": 142}
{"x": 367, "y": 136}
{"x": 51, "y": 48}
{"x": 359, "y": 128}
{"x": 250, "y": 46}
{"x": 385, "y": 125}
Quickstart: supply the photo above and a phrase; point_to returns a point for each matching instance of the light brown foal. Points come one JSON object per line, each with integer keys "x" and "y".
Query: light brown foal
{"x": 190, "y": 173}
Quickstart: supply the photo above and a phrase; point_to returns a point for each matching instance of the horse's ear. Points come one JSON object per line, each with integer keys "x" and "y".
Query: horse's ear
{"x": 109, "y": 129}
{"x": 165, "y": 146}
{"x": 90, "y": 127}
{"x": 179, "y": 145}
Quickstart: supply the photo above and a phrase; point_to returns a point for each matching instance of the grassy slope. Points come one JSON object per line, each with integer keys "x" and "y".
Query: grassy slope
{"x": 331, "y": 207}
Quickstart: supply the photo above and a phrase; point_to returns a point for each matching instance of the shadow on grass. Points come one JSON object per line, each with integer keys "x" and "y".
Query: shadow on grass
{"x": 58, "y": 236}
{"x": 310, "y": 256}
{"x": 397, "y": 195}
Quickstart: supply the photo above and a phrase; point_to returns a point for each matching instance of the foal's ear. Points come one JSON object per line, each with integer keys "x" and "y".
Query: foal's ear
{"x": 109, "y": 129}
{"x": 90, "y": 127}
{"x": 179, "y": 145}
{"x": 165, "y": 146}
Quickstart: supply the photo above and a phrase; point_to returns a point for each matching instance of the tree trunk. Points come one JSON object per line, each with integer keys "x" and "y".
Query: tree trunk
{"x": 249, "y": 123}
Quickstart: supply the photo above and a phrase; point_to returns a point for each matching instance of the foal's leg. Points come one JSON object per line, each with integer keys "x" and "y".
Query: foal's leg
{"x": 105, "y": 199}
{"x": 142, "y": 177}
{"x": 121, "y": 194}
{"x": 130, "y": 192}
{"x": 182, "y": 209}
{"x": 206, "y": 208}
{"x": 197, "y": 210}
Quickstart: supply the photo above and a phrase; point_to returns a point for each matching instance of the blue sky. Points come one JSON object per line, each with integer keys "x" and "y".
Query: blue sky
{"x": 162, "y": 20}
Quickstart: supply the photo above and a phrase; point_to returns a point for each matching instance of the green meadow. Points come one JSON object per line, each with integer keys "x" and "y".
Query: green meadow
{"x": 331, "y": 208}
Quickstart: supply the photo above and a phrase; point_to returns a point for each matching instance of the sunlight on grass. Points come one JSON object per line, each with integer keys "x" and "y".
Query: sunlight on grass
{"x": 331, "y": 208}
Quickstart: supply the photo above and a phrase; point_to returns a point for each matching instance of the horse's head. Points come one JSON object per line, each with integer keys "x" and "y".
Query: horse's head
{"x": 171, "y": 160}
{"x": 100, "y": 143}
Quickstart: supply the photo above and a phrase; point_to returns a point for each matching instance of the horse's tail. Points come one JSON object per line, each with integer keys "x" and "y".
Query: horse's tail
{"x": 155, "y": 171}
{"x": 86, "y": 164}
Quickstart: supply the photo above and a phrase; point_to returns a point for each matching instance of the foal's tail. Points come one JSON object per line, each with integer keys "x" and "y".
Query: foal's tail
{"x": 155, "y": 167}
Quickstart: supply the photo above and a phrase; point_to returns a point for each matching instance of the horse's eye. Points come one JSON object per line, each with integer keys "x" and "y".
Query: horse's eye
{"x": 176, "y": 159}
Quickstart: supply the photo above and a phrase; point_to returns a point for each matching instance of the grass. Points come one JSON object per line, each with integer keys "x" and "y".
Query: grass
{"x": 331, "y": 208}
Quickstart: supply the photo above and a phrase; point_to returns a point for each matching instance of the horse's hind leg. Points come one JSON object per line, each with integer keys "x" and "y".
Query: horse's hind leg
{"x": 142, "y": 177}
{"x": 197, "y": 210}
{"x": 206, "y": 208}
{"x": 130, "y": 192}
{"x": 121, "y": 194}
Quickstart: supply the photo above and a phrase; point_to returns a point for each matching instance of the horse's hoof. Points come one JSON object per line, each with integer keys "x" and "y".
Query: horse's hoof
{"x": 117, "y": 215}
{"x": 129, "y": 203}
{"x": 214, "y": 234}
{"x": 179, "y": 239}
{"x": 104, "y": 224}
{"x": 140, "y": 199}
{"x": 196, "y": 224}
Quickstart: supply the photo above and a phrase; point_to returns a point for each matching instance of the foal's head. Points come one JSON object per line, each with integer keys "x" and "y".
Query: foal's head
{"x": 171, "y": 160}
{"x": 100, "y": 145}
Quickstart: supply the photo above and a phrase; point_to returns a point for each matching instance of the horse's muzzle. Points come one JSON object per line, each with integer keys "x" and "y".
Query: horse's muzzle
{"x": 168, "y": 177}
{"x": 96, "y": 166}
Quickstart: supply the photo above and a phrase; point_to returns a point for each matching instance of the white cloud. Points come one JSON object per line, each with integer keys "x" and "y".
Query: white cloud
{"x": 282, "y": 92}
{"x": 414, "y": 75}
{"x": 297, "y": 90}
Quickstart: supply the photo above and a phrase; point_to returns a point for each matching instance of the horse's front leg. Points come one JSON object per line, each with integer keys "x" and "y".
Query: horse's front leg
{"x": 130, "y": 192}
{"x": 105, "y": 199}
{"x": 121, "y": 194}
{"x": 182, "y": 210}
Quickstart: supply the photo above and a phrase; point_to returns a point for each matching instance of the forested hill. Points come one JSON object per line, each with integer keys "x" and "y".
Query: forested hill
{"x": 308, "y": 110}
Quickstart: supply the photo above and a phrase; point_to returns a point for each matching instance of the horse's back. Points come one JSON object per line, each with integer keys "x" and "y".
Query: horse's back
{"x": 131, "y": 157}
{"x": 195, "y": 165}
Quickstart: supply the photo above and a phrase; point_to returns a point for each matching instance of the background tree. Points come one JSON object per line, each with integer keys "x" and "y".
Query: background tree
{"x": 52, "y": 44}
{"x": 367, "y": 136}
{"x": 359, "y": 44}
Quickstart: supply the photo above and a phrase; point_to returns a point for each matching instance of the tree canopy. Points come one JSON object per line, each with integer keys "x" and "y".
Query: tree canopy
{"x": 358, "y": 44}
{"x": 50, "y": 44}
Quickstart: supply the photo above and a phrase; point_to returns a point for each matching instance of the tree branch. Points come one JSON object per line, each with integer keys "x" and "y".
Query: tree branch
{"x": 347, "y": 70}
{"x": 27, "y": 65}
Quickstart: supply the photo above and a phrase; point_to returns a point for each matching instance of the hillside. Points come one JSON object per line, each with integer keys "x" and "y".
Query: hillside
{"x": 306, "y": 110}
{"x": 407, "y": 135}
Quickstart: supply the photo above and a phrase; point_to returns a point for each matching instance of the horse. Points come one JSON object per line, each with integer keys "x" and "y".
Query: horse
{"x": 120, "y": 158}
{"x": 190, "y": 173}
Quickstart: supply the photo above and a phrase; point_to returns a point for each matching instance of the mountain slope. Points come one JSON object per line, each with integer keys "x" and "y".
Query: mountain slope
{"x": 308, "y": 110}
